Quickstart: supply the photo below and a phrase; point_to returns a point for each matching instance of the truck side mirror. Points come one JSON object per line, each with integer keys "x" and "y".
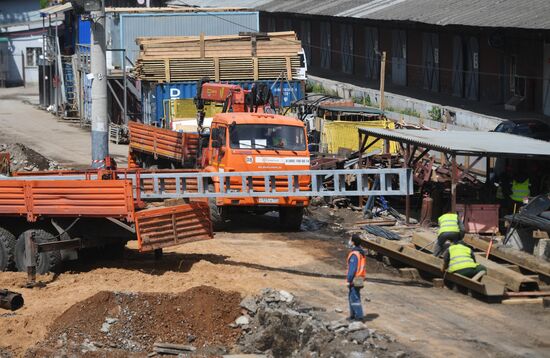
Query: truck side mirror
{"x": 216, "y": 143}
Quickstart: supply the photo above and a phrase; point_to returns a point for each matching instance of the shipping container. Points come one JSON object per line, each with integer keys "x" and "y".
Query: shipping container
{"x": 155, "y": 97}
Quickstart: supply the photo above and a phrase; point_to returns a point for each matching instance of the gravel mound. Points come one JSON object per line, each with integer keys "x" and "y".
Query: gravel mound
{"x": 111, "y": 322}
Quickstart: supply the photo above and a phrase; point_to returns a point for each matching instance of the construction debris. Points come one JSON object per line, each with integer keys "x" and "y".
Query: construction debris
{"x": 282, "y": 326}
{"x": 23, "y": 158}
{"x": 10, "y": 300}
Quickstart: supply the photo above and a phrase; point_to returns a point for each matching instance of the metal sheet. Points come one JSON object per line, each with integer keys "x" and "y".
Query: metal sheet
{"x": 175, "y": 225}
{"x": 467, "y": 142}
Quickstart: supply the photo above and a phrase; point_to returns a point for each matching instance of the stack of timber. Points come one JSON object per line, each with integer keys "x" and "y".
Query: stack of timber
{"x": 510, "y": 278}
{"x": 222, "y": 58}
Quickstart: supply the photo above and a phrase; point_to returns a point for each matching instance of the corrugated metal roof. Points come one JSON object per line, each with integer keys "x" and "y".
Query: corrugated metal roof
{"x": 466, "y": 142}
{"x": 531, "y": 14}
{"x": 57, "y": 8}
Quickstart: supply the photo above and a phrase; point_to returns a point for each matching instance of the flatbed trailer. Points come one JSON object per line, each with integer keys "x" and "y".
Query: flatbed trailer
{"x": 71, "y": 210}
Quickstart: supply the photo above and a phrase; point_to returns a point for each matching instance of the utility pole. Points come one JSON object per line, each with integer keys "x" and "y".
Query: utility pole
{"x": 100, "y": 122}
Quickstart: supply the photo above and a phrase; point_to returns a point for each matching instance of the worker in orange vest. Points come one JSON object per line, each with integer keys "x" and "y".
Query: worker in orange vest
{"x": 357, "y": 272}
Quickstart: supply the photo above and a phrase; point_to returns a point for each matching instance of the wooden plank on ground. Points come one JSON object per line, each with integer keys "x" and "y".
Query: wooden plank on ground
{"x": 522, "y": 259}
{"x": 513, "y": 280}
{"x": 488, "y": 286}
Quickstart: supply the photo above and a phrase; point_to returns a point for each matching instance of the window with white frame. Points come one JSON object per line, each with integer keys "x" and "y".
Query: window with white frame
{"x": 33, "y": 56}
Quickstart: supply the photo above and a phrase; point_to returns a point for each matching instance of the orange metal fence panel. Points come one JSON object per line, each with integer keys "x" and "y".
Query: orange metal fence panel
{"x": 87, "y": 198}
{"x": 174, "y": 225}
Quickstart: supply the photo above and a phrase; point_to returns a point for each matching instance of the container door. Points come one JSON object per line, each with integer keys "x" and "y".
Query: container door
{"x": 173, "y": 225}
{"x": 372, "y": 53}
{"x": 430, "y": 46}
{"x": 458, "y": 67}
{"x": 399, "y": 57}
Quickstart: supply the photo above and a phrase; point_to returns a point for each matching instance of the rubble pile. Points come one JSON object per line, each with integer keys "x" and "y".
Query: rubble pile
{"x": 276, "y": 324}
{"x": 115, "y": 322}
{"x": 23, "y": 158}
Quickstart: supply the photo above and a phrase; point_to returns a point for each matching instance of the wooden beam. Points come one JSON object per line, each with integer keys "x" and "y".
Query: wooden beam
{"x": 522, "y": 301}
{"x": 513, "y": 280}
{"x": 428, "y": 263}
{"x": 523, "y": 260}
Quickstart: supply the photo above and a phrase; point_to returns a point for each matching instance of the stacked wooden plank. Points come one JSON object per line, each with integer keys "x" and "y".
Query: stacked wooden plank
{"x": 222, "y": 58}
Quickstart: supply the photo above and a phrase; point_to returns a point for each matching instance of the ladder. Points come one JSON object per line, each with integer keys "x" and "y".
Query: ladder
{"x": 307, "y": 183}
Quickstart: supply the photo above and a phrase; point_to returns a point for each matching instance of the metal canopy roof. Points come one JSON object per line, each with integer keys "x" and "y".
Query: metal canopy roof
{"x": 531, "y": 14}
{"x": 57, "y": 8}
{"x": 491, "y": 144}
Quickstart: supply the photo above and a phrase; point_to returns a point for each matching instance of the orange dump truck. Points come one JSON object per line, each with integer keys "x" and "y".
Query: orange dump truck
{"x": 237, "y": 142}
{"x": 66, "y": 211}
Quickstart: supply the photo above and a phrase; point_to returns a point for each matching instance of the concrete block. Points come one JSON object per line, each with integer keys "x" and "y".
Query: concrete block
{"x": 542, "y": 249}
{"x": 410, "y": 273}
{"x": 438, "y": 282}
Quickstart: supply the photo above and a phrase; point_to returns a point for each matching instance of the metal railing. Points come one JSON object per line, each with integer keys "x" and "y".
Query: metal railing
{"x": 396, "y": 181}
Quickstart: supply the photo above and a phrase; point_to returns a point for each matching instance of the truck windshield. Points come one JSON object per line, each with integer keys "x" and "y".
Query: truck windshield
{"x": 267, "y": 136}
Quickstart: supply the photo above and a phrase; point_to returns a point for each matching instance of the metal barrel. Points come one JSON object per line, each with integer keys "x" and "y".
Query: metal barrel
{"x": 10, "y": 300}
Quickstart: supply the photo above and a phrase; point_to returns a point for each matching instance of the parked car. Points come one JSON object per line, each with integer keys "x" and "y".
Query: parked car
{"x": 533, "y": 128}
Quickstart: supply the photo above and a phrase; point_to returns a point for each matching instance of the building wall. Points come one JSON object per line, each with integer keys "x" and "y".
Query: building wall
{"x": 20, "y": 11}
{"x": 13, "y": 18}
{"x": 498, "y": 50}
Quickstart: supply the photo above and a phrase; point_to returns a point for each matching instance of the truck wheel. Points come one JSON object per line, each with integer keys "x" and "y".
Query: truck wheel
{"x": 215, "y": 211}
{"x": 7, "y": 250}
{"x": 291, "y": 218}
{"x": 45, "y": 261}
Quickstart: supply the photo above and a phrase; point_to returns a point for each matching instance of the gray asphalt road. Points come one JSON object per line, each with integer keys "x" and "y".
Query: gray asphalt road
{"x": 68, "y": 144}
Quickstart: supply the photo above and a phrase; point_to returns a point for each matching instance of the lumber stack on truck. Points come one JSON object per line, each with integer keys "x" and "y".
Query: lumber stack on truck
{"x": 223, "y": 58}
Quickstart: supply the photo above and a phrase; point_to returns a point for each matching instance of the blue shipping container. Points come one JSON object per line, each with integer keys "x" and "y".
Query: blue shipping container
{"x": 155, "y": 95}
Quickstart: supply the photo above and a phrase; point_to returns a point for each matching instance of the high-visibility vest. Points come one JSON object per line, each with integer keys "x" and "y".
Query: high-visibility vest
{"x": 361, "y": 264}
{"x": 448, "y": 223}
{"x": 520, "y": 190}
{"x": 460, "y": 258}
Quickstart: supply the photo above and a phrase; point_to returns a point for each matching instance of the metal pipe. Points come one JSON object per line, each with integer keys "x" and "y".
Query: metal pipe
{"x": 408, "y": 196}
{"x": 454, "y": 180}
{"x": 10, "y": 300}
{"x": 43, "y": 62}
{"x": 125, "y": 88}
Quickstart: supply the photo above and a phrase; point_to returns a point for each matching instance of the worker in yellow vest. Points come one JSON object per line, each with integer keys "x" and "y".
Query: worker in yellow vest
{"x": 451, "y": 228}
{"x": 460, "y": 259}
{"x": 520, "y": 190}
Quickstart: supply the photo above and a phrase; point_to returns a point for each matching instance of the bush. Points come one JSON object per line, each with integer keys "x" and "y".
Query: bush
{"x": 435, "y": 114}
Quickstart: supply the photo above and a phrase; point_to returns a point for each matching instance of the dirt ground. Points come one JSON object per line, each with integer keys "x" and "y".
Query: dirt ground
{"x": 428, "y": 321}
{"x": 432, "y": 322}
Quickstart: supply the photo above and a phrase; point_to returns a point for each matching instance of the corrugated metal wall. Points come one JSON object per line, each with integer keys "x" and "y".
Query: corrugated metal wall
{"x": 125, "y": 28}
